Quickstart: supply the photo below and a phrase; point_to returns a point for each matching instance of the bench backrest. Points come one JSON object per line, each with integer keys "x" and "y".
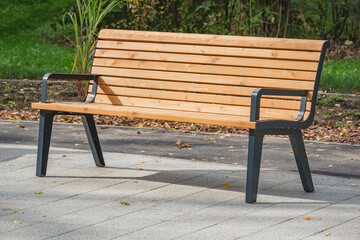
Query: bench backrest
{"x": 205, "y": 73}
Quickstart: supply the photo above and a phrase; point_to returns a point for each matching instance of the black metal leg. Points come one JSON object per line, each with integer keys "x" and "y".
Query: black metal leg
{"x": 46, "y": 121}
{"x": 90, "y": 129}
{"x": 253, "y": 167}
{"x": 301, "y": 160}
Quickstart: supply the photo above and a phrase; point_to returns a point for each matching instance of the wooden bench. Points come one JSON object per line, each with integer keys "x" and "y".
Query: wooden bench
{"x": 268, "y": 85}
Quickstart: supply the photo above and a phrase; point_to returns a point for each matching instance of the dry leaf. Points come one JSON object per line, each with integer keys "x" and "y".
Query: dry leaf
{"x": 141, "y": 162}
{"x": 307, "y": 218}
{"x": 182, "y": 145}
{"x": 328, "y": 234}
{"x": 13, "y": 212}
{"x": 206, "y": 139}
{"x": 226, "y": 185}
{"x": 139, "y": 169}
{"x": 193, "y": 159}
{"x": 135, "y": 181}
{"x": 17, "y": 222}
{"x": 20, "y": 126}
{"x": 235, "y": 163}
{"x": 38, "y": 192}
{"x": 167, "y": 126}
{"x": 50, "y": 181}
{"x": 104, "y": 127}
{"x": 253, "y": 203}
{"x": 157, "y": 161}
{"x": 143, "y": 151}
{"x": 63, "y": 155}
{"x": 231, "y": 150}
{"x": 354, "y": 185}
{"x": 20, "y": 212}
{"x": 138, "y": 132}
{"x": 43, "y": 216}
{"x": 162, "y": 198}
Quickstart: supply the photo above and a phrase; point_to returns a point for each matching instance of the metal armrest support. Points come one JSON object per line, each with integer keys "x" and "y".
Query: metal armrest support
{"x": 256, "y": 98}
{"x": 68, "y": 76}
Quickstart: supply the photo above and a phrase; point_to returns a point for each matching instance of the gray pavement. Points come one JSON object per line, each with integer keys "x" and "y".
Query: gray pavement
{"x": 171, "y": 196}
{"x": 324, "y": 158}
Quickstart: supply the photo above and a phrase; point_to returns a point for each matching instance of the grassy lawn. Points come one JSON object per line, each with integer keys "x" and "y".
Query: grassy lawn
{"x": 30, "y": 30}
{"x": 26, "y": 28}
{"x": 27, "y": 57}
{"x": 341, "y": 76}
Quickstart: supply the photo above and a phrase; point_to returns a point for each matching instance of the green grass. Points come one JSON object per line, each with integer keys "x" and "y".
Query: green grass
{"x": 341, "y": 76}
{"x": 26, "y": 52}
{"x": 25, "y": 29}
{"x": 27, "y": 57}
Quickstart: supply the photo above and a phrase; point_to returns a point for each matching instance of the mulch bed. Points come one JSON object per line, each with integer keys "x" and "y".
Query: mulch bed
{"x": 320, "y": 132}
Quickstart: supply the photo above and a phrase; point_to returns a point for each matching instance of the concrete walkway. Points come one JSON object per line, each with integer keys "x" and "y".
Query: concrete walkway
{"x": 169, "y": 198}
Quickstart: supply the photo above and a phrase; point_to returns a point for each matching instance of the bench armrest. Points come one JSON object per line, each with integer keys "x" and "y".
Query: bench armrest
{"x": 256, "y": 98}
{"x": 69, "y": 76}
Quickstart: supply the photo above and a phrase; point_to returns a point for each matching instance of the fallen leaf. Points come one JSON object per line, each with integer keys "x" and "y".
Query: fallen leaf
{"x": 307, "y": 218}
{"x": 226, "y": 185}
{"x": 139, "y": 169}
{"x": 141, "y": 162}
{"x": 143, "y": 151}
{"x": 157, "y": 161}
{"x": 206, "y": 139}
{"x": 125, "y": 203}
{"x": 167, "y": 126}
{"x": 354, "y": 185}
{"x": 20, "y": 126}
{"x": 253, "y": 203}
{"x": 63, "y": 155}
{"x": 13, "y": 212}
{"x": 17, "y": 222}
{"x": 49, "y": 181}
{"x": 233, "y": 170}
{"x": 231, "y": 150}
{"x": 135, "y": 181}
{"x": 182, "y": 145}
{"x": 43, "y": 216}
{"x": 20, "y": 212}
{"x": 193, "y": 159}
{"x": 104, "y": 127}
{"x": 138, "y": 132}
{"x": 328, "y": 234}
{"x": 235, "y": 163}
{"x": 8, "y": 164}
{"x": 162, "y": 198}
{"x": 38, "y": 192}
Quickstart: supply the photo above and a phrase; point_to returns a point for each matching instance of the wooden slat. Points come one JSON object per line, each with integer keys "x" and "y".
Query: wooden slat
{"x": 150, "y": 113}
{"x": 215, "y": 60}
{"x": 207, "y": 39}
{"x": 202, "y": 68}
{"x": 195, "y": 107}
{"x": 204, "y": 98}
{"x": 179, "y": 86}
{"x": 210, "y": 50}
{"x": 198, "y": 78}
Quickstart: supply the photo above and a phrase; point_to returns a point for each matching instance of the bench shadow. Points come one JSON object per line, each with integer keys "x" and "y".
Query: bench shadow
{"x": 270, "y": 185}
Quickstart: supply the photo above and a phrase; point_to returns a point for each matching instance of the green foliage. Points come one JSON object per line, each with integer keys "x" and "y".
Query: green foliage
{"x": 85, "y": 21}
{"x": 338, "y": 20}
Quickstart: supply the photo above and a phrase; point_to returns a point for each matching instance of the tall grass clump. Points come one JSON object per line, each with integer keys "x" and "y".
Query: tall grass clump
{"x": 86, "y": 20}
